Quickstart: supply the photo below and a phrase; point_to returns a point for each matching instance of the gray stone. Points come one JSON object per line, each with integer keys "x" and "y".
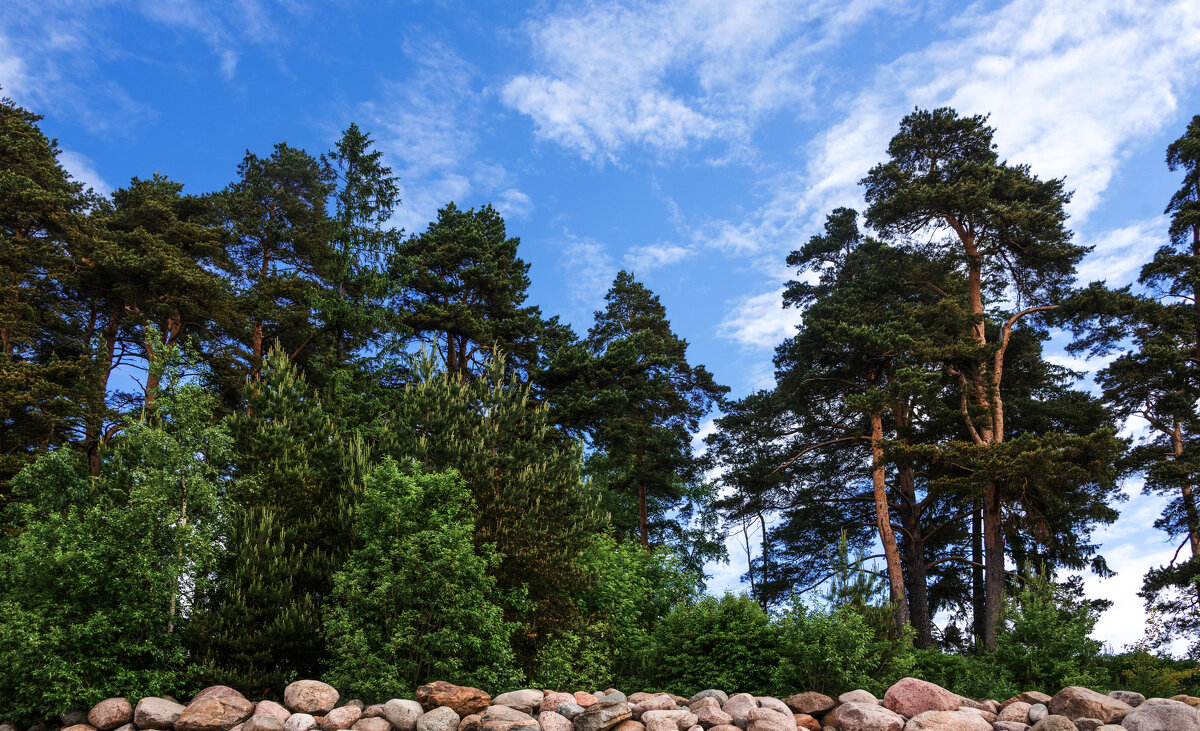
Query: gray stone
{"x": 156, "y": 713}
{"x": 738, "y": 707}
{"x": 271, "y": 708}
{"x": 525, "y": 698}
{"x": 614, "y": 696}
{"x": 402, "y": 713}
{"x": 1075, "y": 701}
{"x": 264, "y": 722}
{"x": 681, "y": 717}
{"x": 505, "y": 718}
{"x": 300, "y": 722}
{"x": 1054, "y": 722}
{"x": 774, "y": 704}
{"x": 552, "y": 721}
{"x": 1010, "y": 726}
{"x": 442, "y": 718}
{"x": 570, "y": 709}
{"x": 603, "y": 716}
{"x": 1037, "y": 712}
{"x": 854, "y": 716}
{"x": 720, "y": 695}
{"x": 1128, "y": 696}
{"x": 1160, "y": 714}
{"x": 1088, "y": 724}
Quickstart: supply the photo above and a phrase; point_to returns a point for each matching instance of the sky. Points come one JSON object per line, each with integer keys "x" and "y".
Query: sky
{"x": 694, "y": 142}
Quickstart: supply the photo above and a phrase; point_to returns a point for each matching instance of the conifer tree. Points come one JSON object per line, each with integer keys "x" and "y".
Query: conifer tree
{"x": 465, "y": 295}
{"x": 44, "y": 374}
{"x": 639, "y": 401}
{"x": 289, "y": 528}
{"x": 525, "y": 482}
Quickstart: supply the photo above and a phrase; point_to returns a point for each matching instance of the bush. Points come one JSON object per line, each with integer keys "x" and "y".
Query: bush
{"x": 726, "y": 643}
{"x": 414, "y": 601}
{"x": 968, "y": 675}
{"x": 1047, "y": 644}
{"x": 1154, "y": 676}
{"x": 835, "y": 650}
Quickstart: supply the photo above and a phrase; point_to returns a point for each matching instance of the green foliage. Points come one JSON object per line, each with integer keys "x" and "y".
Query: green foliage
{"x": 726, "y": 643}
{"x": 1154, "y": 676}
{"x": 629, "y": 590}
{"x": 836, "y": 649}
{"x": 1047, "y": 644}
{"x": 973, "y": 676}
{"x": 414, "y": 602}
{"x": 99, "y": 581}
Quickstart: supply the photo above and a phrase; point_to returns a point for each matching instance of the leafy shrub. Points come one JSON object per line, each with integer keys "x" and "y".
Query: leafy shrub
{"x": 835, "y": 650}
{"x": 1154, "y": 676}
{"x": 973, "y": 676}
{"x": 1047, "y": 644}
{"x": 726, "y": 643}
{"x": 414, "y": 601}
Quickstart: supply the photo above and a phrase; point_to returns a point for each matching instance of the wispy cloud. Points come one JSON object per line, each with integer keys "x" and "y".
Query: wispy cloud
{"x": 82, "y": 170}
{"x": 644, "y": 259}
{"x": 760, "y": 322}
{"x": 668, "y": 75}
{"x": 590, "y": 270}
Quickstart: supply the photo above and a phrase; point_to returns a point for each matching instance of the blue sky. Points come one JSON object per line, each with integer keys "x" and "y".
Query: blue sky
{"x": 695, "y": 142}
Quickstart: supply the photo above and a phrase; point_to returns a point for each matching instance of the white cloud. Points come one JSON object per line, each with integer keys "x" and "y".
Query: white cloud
{"x": 590, "y": 270}
{"x": 760, "y": 322}
{"x": 513, "y": 203}
{"x": 1119, "y": 254}
{"x": 81, "y": 168}
{"x": 641, "y": 260}
{"x": 667, "y": 75}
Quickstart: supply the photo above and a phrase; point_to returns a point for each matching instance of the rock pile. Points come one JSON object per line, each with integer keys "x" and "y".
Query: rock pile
{"x": 909, "y": 705}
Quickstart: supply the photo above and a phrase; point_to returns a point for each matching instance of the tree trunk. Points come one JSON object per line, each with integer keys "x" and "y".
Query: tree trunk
{"x": 993, "y": 542}
{"x": 914, "y": 559}
{"x": 643, "y": 510}
{"x": 977, "y": 604}
{"x": 883, "y": 522}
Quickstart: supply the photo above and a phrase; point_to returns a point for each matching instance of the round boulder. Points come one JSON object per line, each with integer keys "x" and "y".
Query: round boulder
{"x": 551, "y": 721}
{"x": 1158, "y": 714}
{"x": 1054, "y": 722}
{"x": 858, "y": 696}
{"x": 271, "y": 708}
{"x": 603, "y": 716}
{"x": 402, "y": 713}
{"x": 911, "y": 697}
{"x": 947, "y": 721}
{"x": 217, "y": 712}
{"x": 463, "y": 700}
{"x": 442, "y": 718}
{"x": 1078, "y": 702}
{"x": 310, "y": 696}
{"x": 810, "y": 703}
{"x": 341, "y": 718}
{"x": 854, "y": 716}
{"x": 505, "y": 718}
{"x": 300, "y": 722}
{"x": 264, "y": 722}
{"x": 371, "y": 723}
{"x": 156, "y": 713}
{"x": 520, "y": 699}
{"x": 110, "y": 713}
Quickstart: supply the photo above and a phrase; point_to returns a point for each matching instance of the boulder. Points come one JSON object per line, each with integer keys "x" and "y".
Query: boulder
{"x": 640, "y": 696}
{"x": 981, "y": 712}
{"x": 1010, "y": 726}
{"x": 858, "y": 696}
{"x": 1088, "y": 724}
{"x": 73, "y": 716}
{"x": 463, "y": 700}
{"x": 806, "y": 722}
{"x": 1191, "y": 700}
{"x": 1128, "y": 696}
{"x": 264, "y": 722}
{"x": 1033, "y": 697}
{"x": 854, "y": 716}
{"x": 519, "y": 698}
{"x": 774, "y": 704}
{"x": 271, "y": 708}
{"x": 706, "y": 702}
{"x": 470, "y": 723}
{"x": 218, "y": 712}
{"x": 586, "y": 700}
{"x": 310, "y": 696}
{"x": 552, "y": 721}
{"x": 402, "y": 713}
{"x": 1078, "y": 702}
{"x": 570, "y": 709}
{"x": 912, "y": 697}
{"x": 603, "y": 716}
{"x": 657, "y": 703}
{"x": 947, "y": 721}
{"x": 810, "y": 703}
{"x": 738, "y": 707}
{"x": 1037, "y": 712}
{"x": 156, "y": 713}
{"x": 611, "y": 696}
{"x": 1015, "y": 711}
{"x": 76, "y": 727}
{"x": 768, "y": 719}
{"x": 505, "y": 718}
{"x": 1054, "y": 722}
{"x": 300, "y": 722}
{"x": 551, "y": 700}
{"x": 720, "y": 695}
{"x": 110, "y": 713}
{"x": 630, "y": 725}
{"x": 371, "y": 723}
{"x": 217, "y": 691}
{"x": 374, "y": 710}
{"x": 126, "y": 727}
{"x": 340, "y": 718}
{"x": 1159, "y": 714}
{"x": 711, "y": 715}
{"x": 442, "y": 718}
{"x": 681, "y": 717}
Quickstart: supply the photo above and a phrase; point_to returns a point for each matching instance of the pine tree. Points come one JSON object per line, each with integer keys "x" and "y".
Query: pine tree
{"x": 1005, "y": 228}
{"x": 466, "y": 293}
{"x": 525, "y": 482}
{"x": 639, "y": 401}
{"x": 289, "y": 529}
{"x": 44, "y": 374}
